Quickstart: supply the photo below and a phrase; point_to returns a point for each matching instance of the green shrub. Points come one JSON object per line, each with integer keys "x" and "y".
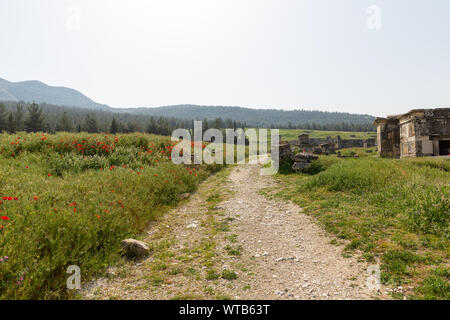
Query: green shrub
{"x": 436, "y": 285}
{"x": 395, "y": 264}
{"x": 229, "y": 275}
{"x": 354, "y": 175}
{"x": 86, "y": 203}
{"x": 428, "y": 209}
{"x": 319, "y": 165}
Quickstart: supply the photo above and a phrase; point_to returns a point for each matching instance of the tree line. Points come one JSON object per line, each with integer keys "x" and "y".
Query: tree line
{"x": 31, "y": 117}
{"x": 267, "y": 118}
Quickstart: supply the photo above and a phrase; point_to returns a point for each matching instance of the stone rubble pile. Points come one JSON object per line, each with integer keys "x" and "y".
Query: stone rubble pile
{"x": 303, "y": 160}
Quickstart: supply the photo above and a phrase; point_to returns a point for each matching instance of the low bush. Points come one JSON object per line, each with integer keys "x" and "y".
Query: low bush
{"x": 65, "y": 201}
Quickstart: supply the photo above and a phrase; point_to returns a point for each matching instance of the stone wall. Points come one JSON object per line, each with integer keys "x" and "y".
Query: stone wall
{"x": 388, "y": 136}
{"x": 330, "y": 145}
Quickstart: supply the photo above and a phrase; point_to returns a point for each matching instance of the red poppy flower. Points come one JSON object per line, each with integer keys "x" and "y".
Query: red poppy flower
{"x": 35, "y": 198}
{"x": 4, "y": 218}
{"x": 49, "y": 174}
{"x": 10, "y": 198}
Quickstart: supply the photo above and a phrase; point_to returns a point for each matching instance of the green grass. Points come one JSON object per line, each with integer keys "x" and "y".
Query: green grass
{"x": 212, "y": 275}
{"x": 78, "y": 196}
{"x": 393, "y": 211}
{"x": 229, "y": 275}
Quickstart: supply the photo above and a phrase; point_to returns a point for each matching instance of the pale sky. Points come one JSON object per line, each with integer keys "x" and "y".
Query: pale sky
{"x": 317, "y": 54}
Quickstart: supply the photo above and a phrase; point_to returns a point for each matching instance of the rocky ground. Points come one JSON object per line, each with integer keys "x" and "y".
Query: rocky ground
{"x": 230, "y": 240}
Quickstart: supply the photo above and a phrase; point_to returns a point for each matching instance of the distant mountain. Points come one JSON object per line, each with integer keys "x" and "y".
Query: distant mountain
{"x": 254, "y": 117}
{"x": 39, "y": 92}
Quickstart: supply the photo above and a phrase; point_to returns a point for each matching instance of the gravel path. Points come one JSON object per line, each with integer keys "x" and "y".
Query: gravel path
{"x": 282, "y": 253}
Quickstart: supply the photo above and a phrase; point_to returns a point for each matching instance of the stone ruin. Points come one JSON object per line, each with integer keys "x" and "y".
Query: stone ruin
{"x": 301, "y": 160}
{"x": 310, "y": 147}
{"x": 417, "y": 133}
{"x": 329, "y": 145}
{"x": 285, "y": 152}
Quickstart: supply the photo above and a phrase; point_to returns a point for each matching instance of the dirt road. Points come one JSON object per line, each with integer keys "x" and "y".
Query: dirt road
{"x": 229, "y": 241}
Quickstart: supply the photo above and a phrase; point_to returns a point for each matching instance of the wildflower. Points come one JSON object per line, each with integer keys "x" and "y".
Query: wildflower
{"x": 49, "y": 174}
{"x": 35, "y": 198}
{"x": 4, "y": 218}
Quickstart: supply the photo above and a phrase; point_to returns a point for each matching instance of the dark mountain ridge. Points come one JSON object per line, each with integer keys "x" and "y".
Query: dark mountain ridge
{"x": 39, "y": 92}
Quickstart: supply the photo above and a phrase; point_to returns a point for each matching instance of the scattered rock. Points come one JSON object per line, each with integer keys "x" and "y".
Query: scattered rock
{"x": 193, "y": 225}
{"x": 184, "y": 195}
{"x": 135, "y": 248}
{"x": 285, "y": 259}
{"x": 297, "y": 166}
{"x": 305, "y": 156}
{"x": 303, "y": 160}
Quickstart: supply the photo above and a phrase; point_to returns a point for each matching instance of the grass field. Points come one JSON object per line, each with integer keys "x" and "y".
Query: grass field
{"x": 69, "y": 199}
{"x": 392, "y": 212}
{"x": 292, "y": 134}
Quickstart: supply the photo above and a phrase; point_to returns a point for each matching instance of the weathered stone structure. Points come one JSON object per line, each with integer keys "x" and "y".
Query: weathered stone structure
{"x": 353, "y": 143}
{"x": 417, "y": 133}
{"x": 285, "y": 152}
{"x": 330, "y": 145}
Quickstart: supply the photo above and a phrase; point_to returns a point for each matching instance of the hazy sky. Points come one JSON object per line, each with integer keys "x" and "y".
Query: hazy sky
{"x": 318, "y": 54}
